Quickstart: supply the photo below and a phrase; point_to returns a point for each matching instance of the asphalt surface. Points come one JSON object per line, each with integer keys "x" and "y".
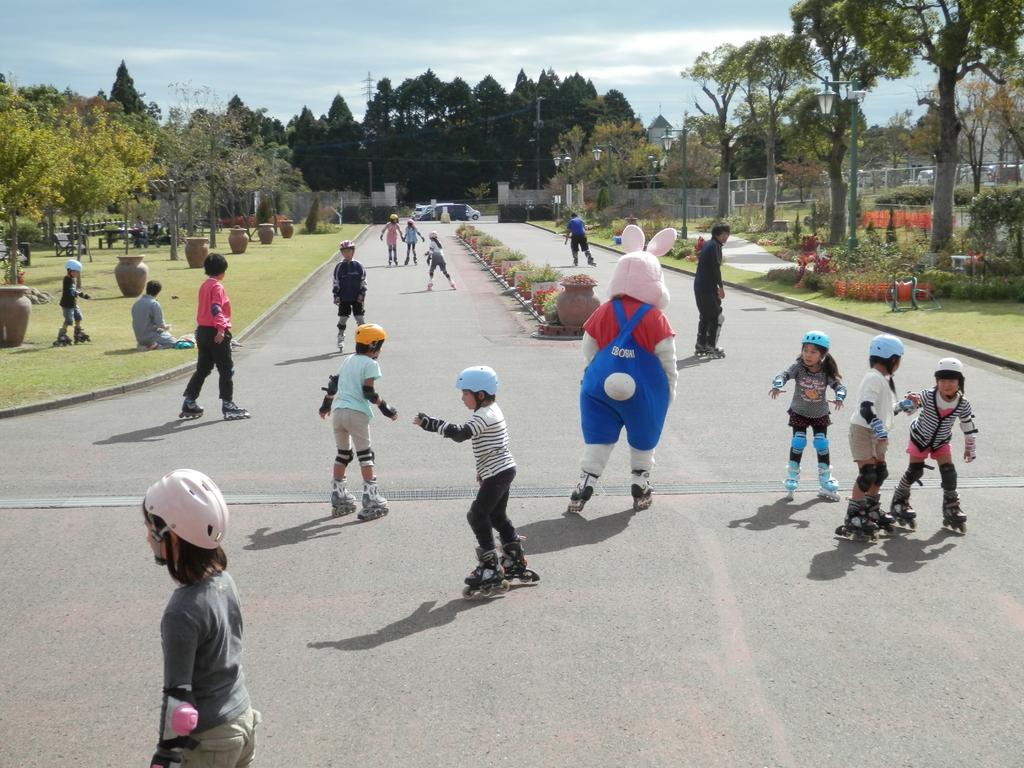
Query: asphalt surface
{"x": 725, "y": 626}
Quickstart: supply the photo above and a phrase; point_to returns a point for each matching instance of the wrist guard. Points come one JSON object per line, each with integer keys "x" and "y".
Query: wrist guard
{"x": 325, "y": 406}
{"x": 386, "y": 410}
{"x": 778, "y": 382}
{"x": 840, "y": 393}
{"x": 428, "y": 424}
{"x": 879, "y": 429}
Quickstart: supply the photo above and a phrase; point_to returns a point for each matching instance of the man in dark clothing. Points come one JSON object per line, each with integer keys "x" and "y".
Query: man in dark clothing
{"x": 709, "y": 292}
{"x": 576, "y": 232}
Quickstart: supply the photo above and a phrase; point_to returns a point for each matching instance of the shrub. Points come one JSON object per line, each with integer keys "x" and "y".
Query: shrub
{"x": 265, "y": 210}
{"x": 313, "y": 217}
{"x": 783, "y": 275}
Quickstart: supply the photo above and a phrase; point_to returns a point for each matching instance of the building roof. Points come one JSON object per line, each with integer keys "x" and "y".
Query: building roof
{"x": 659, "y": 122}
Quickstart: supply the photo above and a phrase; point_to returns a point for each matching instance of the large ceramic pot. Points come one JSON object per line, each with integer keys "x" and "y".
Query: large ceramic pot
{"x": 576, "y": 304}
{"x": 266, "y": 233}
{"x": 131, "y": 275}
{"x": 287, "y": 228}
{"x": 238, "y": 239}
{"x": 196, "y": 250}
{"x": 15, "y": 309}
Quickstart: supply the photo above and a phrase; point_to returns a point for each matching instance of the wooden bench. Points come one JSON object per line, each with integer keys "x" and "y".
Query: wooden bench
{"x": 64, "y": 245}
{"x": 5, "y": 251}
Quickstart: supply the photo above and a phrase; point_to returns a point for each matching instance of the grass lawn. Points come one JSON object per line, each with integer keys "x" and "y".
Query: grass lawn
{"x": 996, "y": 327}
{"x": 255, "y": 280}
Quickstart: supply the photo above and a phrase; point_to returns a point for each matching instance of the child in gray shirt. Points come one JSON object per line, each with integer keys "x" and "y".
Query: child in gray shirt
{"x": 151, "y": 332}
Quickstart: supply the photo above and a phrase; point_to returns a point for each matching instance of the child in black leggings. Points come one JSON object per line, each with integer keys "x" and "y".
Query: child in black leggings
{"x": 495, "y": 470}
{"x": 435, "y": 258}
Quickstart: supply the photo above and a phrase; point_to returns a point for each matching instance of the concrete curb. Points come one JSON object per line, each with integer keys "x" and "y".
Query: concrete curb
{"x": 172, "y": 373}
{"x": 985, "y": 357}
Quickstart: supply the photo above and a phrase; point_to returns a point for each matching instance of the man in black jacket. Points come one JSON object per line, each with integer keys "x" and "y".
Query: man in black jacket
{"x": 709, "y": 292}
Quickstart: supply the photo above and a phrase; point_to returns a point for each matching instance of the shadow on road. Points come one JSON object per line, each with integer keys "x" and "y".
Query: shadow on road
{"x": 573, "y": 531}
{"x": 690, "y": 362}
{"x": 153, "y": 434}
{"x": 776, "y": 514}
{"x": 423, "y": 618}
{"x": 899, "y": 552}
{"x": 311, "y": 529}
{"x": 311, "y": 359}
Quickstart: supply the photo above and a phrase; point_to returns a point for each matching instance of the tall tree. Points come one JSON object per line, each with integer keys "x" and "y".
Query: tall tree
{"x": 720, "y": 74}
{"x": 774, "y": 66}
{"x": 838, "y": 30}
{"x": 976, "y": 115}
{"x": 957, "y": 37}
{"x": 123, "y": 91}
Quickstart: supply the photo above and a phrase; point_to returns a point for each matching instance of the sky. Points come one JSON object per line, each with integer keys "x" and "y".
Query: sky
{"x": 283, "y": 56}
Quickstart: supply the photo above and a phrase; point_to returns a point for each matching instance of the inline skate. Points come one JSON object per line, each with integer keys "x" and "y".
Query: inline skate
{"x": 858, "y": 525}
{"x": 581, "y": 495}
{"x": 374, "y": 505}
{"x": 901, "y": 511}
{"x": 233, "y": 412}
{"x": 190, "y": 409}
{"x": 714, "y": 353}
{"x": 342, "y": 501}
{"x": 641, "y": 489}
{"x": 81, "y": 337}
{"x": 488, "y": 577}
{"x": 953, "y": 518}
{"x": 513, "y": 563}
{"x": 62, "y": 338}
{"x": 881, "y": 518}
{"x": 792, "y": 481}
{"x": 829, "y": 487}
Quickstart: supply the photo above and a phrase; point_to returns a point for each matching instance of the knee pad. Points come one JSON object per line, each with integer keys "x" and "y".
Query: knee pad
{"x": 947, "y": 474}
{"x": 914, "y": 472}
{"x": 342, "y": 323}
{"x": 799, "y": 442}
{"x": 365, "y": 457}
{"x": 881, "y": 472}
{"x": 820, "y": 443}
{"x": 344, "y": 457}
{"x": 866, "y": 477}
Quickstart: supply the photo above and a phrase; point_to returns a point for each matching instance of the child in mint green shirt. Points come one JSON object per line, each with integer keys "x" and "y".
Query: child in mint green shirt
{"x": 349, "y": 397}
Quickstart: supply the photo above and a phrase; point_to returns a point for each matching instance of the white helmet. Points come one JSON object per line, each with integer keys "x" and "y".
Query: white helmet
{"x": 949, "y": 365}
{"x": 191, "y": 505}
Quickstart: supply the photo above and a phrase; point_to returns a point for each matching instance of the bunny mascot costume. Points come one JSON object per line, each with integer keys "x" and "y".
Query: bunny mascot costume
{"x": 631, "y": 372}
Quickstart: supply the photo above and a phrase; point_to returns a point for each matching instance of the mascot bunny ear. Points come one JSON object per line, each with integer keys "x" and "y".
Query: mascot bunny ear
{"x": 632, "y": 238}
{"x": 662, "y": 242}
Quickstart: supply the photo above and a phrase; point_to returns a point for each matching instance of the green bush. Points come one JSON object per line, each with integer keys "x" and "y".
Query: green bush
{"x": 923, "y": 196}
{"x": 313, "y": 217}
{"x": 782, "y": 275}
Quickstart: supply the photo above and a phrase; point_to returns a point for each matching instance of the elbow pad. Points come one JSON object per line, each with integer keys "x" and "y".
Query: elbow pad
{"x": 456, "y": 433}
{"x": 867, "y": 411}
{"x": 178, "y": 719}
{"x": 371, "y": 394}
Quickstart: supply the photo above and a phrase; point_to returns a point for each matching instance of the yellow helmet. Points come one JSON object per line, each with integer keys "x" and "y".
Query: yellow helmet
{"x": 393, "y": 217}
{"x": 372, "y": 335}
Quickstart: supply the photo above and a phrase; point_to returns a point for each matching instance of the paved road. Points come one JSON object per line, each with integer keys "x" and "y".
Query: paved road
{"x": 722, "y": 627}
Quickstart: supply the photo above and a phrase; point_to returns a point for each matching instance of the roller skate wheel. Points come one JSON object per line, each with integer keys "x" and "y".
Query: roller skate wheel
{"x": 467, "y": 592}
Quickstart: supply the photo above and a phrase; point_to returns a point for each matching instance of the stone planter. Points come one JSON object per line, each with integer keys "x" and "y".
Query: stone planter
{"x": 238, "y": 239}
{"x": 15, "y": 309}
{"x": 576, "y": 303}
{"x": 196, "y": 250}
{"x": 287, "y": 228}
{"x": 131, "y": 275}
{"x": 266, "y": 233}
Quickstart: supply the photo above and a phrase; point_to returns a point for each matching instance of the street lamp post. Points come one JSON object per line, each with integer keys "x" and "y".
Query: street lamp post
{"x": 826, "y": 102}
{"x": 559, "y": 161}
{"x": 666, "y": 143}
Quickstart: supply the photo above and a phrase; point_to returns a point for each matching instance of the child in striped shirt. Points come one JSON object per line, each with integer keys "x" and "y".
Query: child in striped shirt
{"x": 495, "y": 470}
{"x": 931, "y": 434}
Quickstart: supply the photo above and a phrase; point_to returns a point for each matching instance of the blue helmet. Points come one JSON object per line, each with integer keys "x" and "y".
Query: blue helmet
{"x": 885, "y": 345}
{"x": 478, "y": 378}
{"x": 73, "y": 264}
{"x": 816, "y": 337}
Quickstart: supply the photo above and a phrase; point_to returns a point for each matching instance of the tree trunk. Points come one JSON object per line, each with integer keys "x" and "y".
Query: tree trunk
{"x": 945, "y": 161}
{"x": 174, "y": 224}
{"x": 190, "y": 222}
{"x": 724, "y": 177}
{"x": 12, "y": 254}
{"x": 769, "y": 192}
{"x": 213, "y": 217}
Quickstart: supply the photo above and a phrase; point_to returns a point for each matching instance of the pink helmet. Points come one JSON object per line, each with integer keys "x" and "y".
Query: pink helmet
{"x": 191, "y": 505}
{"x": 346, "y": 244}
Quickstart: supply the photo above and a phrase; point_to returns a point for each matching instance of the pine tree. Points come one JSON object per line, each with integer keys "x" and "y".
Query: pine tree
{"x": 123, "y": 91}
{"x": 313, "y": 219}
